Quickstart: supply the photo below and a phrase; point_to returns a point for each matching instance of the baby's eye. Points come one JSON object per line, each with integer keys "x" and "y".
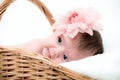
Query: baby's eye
{"x": 65, "y": 58}
{"x": 59, "y": 40}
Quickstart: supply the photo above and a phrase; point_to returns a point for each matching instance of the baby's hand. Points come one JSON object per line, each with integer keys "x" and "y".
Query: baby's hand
{"x": 37, "y": 45}
{"x": 49, "y": 42}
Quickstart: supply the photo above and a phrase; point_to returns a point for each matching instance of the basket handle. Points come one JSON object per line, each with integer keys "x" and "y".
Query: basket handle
{"x": 38, "y": 3}
{"x": 3, "y": 6}
{"x": 44, "y": 9}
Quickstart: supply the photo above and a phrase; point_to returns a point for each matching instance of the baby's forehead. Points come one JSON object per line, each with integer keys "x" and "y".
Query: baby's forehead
{"x": 76, "y": 39}
{"x": 57, "y": 33}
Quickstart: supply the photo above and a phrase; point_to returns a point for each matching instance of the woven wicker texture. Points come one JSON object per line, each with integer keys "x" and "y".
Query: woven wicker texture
{"x": 17, "y": 64}
{"x": 3, "y": 6}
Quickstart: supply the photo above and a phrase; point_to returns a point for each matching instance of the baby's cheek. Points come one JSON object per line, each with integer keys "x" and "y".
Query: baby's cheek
{"x": 58, "y": 60}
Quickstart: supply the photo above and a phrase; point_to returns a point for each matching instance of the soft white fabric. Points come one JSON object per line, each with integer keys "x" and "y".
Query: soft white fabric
{"x": 100, "y": 67}
{"x": 23, "y": 21}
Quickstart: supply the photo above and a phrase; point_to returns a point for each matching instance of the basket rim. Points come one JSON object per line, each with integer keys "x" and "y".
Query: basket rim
{"x": 47, "y": 61}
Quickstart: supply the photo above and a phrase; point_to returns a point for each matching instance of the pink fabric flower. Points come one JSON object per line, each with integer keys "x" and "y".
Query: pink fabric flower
{"x": 79, "y": 20}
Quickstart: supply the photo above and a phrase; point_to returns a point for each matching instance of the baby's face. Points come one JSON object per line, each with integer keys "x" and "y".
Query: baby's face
{"x": 66, "y": 49}
{"x": 59, "y": 48}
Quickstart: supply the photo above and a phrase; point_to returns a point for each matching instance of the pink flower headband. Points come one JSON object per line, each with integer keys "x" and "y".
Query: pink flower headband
{"x": 79, "y": 20}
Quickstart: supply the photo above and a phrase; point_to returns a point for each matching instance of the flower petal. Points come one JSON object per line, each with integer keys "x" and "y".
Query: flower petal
{"x": 78, "y": 20}
{"x": 73, "y": 33}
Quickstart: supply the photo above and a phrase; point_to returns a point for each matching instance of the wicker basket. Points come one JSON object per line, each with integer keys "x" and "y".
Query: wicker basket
{"x": 18, "y": 64}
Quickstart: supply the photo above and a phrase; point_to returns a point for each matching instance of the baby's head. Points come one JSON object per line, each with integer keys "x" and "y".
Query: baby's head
{"x": 77, "y": 36}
